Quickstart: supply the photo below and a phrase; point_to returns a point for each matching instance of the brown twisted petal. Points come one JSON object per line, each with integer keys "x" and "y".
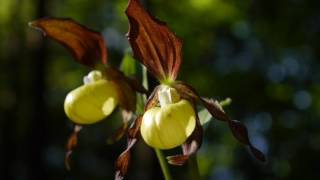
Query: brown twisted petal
{"x": 87, "y": 46}
{"x": 123, "y": 161}
{"x": 71, "y": 144}
{"x": 238, "y": 129}
{"x": 153, "y": 43}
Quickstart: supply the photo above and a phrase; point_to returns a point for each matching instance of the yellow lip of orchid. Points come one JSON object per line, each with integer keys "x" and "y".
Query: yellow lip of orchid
{"x": 91, "y": 102}
{"x": 171, "y": 124}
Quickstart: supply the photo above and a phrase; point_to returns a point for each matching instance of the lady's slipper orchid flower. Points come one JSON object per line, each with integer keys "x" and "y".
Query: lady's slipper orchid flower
{"x": 103, "y": 90}
{"x": 170, "y": 124}
{"x": 93, "y": 101}
{"x": 170, "y": 117}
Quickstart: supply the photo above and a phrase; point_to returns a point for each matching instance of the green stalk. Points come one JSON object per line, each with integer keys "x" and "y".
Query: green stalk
{"x": 163, "y": 164}
{"x": 193, "y": 167}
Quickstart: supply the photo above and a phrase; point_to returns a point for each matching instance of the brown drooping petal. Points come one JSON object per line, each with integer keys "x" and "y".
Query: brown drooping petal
{"x": 190, "y": 147}
{"x": 153, "y": 43}
{"x": 186, "y": 91}
{"x": 127, "y": 97}
{"x": 72, "y": 143}
{"x": 215, "y": 109}
{"x": 126, "y": 88}
{"x": 87, "y": 46}
{"x": 126, "y": 94}
{"x": 123, "y": 161}
{"x": 238, "y": 129}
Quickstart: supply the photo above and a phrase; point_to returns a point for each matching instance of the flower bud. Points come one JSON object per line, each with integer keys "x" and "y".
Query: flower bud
{"x": 171, "y": 124}
{"x": 91, "y": 102}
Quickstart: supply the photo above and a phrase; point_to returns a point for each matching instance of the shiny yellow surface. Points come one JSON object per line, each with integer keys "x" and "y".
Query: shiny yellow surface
{"x": 91, "y": 102}
{"x": 168, "y": 126}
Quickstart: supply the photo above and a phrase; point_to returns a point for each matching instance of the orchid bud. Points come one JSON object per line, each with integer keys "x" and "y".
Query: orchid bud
{"x": 169, "y": 125}
{"x": 93, "y": 101}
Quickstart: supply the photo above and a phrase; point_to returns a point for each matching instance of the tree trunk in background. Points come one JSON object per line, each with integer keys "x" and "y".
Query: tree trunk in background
{"x": 23, "y": 119}
{"x": 37, "y": 136}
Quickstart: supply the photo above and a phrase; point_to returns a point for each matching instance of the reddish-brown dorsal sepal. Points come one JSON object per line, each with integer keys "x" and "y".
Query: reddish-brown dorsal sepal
{"x": 153, "y": 43}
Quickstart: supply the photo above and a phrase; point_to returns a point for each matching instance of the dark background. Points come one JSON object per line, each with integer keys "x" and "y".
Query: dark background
{"x": 263, "y": 54}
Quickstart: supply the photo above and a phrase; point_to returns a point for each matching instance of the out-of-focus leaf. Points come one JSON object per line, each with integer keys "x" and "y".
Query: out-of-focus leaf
{"x": 204, "y": 116}
{"x": 123, "y": 161}
{"x": 128, "y": 65}
{"x": 152, "y": 42}
{"x": 87, "y": 46}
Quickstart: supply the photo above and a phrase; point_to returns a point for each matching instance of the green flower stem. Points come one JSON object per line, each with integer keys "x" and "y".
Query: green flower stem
{"x": 163, "y": 164}
{"x": 193, "y": 168}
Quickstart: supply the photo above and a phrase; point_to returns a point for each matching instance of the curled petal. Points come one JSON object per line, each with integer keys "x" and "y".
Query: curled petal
{"x": 71, "y": 144}
{"x": 238, "y": 129}
{"x": 153, "y": 43}
{"x": 190, "y": 147}
{"x": 87, "y": 46}
{"x": 240, "y": 132}
{"x": 123, "y": 161}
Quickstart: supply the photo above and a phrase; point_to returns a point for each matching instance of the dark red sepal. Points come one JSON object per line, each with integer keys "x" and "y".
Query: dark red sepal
{"x": 87, "y": 46}
{"x": 153, "y": 43}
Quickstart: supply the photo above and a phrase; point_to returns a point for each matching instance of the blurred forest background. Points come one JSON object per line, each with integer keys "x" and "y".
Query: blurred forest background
{"x": 263, "y": 54}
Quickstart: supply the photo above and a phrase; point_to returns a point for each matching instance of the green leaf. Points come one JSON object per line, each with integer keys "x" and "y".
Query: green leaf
{"x": 128, "y": 65}
{"x": 204, "y": 116}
